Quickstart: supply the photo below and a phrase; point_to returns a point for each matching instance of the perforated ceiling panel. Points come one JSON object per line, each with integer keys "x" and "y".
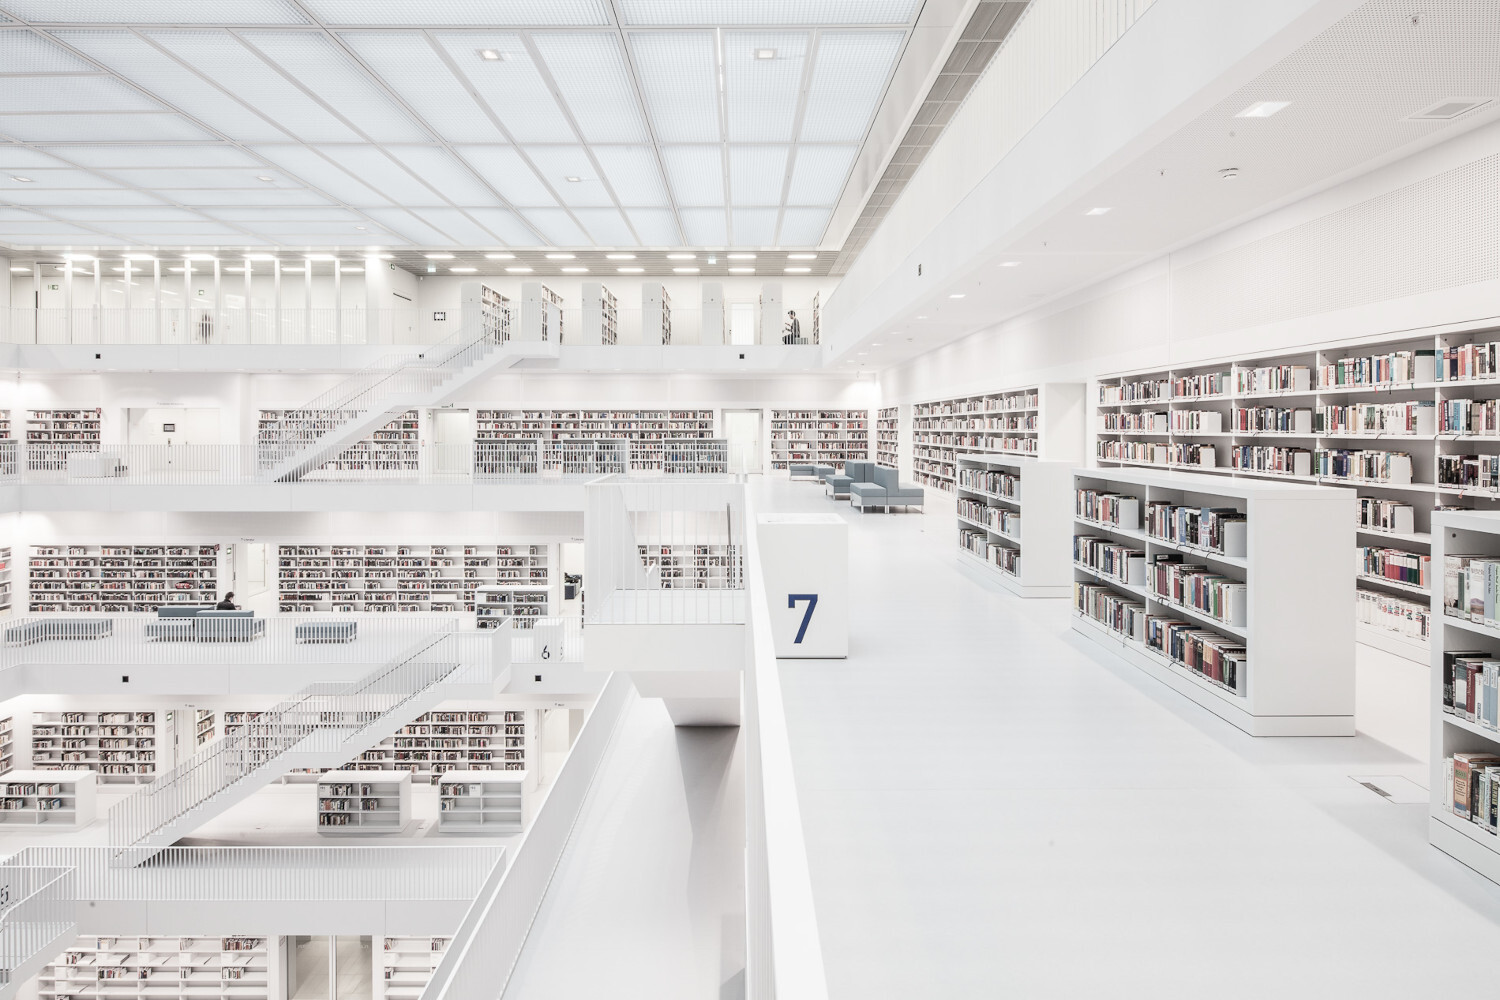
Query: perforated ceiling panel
{"x": 1441, "y": 232}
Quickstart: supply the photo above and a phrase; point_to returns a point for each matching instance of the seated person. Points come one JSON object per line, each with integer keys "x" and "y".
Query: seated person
{"x": 792, "y": 332}
{"x": 227, "y": 604}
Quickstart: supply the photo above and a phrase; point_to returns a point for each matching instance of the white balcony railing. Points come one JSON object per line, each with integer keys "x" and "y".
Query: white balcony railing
{"x": 38, "y": 917}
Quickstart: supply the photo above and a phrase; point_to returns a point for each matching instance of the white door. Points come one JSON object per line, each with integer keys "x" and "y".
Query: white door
{"x": 181, "y": 437}
{"x": 742, "y": 428}
{"x": 452, "y": 440}
{"x": 742, "y": 323}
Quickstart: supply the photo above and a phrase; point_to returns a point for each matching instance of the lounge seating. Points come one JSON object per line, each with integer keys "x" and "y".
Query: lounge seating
{"x": 854, "y": 472}
{"x": 886, "y": 490}
{"x": 801, "y": 470}
{"x": 175, "y": 622}
{"x": 824, "y": 471}
{"x": 42, "y": 629}
{"x": 203, "y": 623}
{"x": 334, "y": 631}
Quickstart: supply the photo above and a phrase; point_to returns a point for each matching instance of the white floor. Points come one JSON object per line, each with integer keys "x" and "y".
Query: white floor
{"x": 996, "y": 806}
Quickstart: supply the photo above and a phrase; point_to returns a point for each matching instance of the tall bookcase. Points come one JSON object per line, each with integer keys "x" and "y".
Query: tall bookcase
{"x": 402, "y": 577}
{"x": 995, "y": 495}
{"x": 541, "y": 314}
{"x": 204, "y": 729}
{"x": 459, "y": 740}
{"x": 7, "y": 745}
{"x": 78, "y": 429}
{"x": 888, "y": 437}
{"x": 123, "y": 578}
{"x": 6, "y": 582}
{"x": 118, "y": 746}
{"x": 1040, "y": 421}
{"x": 696, "y": 567}
{"x": 1254, "y": 622}
{"x": 1413, "y": 423}
{"x": 1465, "y": 688}
{"x": 172, "y": 968}
{"x": 632, "y": 425}
{"x": 524, "y": 603}
{"x": 656, "y": 315}
{"x": 407, "y": 965}
{"x": 824, "y": 436}
{"x": 601, "y": 316}
{"x": 394, "y": 448}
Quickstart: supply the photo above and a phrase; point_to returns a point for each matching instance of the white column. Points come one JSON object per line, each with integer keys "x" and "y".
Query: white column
{"x": 276, "y": 298}
{"x": 249, "y": 301}
{"x": 338, "y": 301}
{"x": 98, "y": 301}
{"x": 187, "y": 301}
{"x": 375, "y": 279}
{"x": 307, "y": 302}
{"x": 36, "y": 306}
{"x": 68, "y": 299}
{"x": 218, "y": 314}
{"x": 8, "y": 324}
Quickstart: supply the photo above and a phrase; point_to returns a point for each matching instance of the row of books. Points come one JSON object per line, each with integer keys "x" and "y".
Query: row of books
{"x": 1001, "y": 519}
{"x": 1001, "y": 484}
{"x": 1197, "y": 422}
{"x": 1204, "y": 652}
{"x": 1398, "y": 565}
{"x": 1470, "y": 586}
{"x": 1158, "y": 453}
{"x": 1386, "y": 515}
{"x": 1469, "y": 361}
{"x": 1393, "y": 613}
{"x": 1412, "y": 417}
{"x": 1380, "y": 369}
{"x": 1205, "y": 384}
{"x": 1470, "y": 416}
{"x": 1121, "y": 510}
{"x": 1109, "y": 558}
{"x": 1272, "y": 378}
{"x": 1270, "y": 419}
{"x": 1472, "y": 788}
{"x": 1220, "y": 529}
{"x": 1152, "y": 421}
{"x": 1471, "y": 687}
{"x": 1141, "y": 391}
{"x": 1219, "y": 597}
{"x": 1271, "y": 459}
{"x": 1005, "y": 557}
{"x": 1476, "y": 472}
{"x": 1380, "y": 466}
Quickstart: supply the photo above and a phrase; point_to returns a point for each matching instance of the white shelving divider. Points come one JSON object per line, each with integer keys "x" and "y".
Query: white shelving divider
{"x": 165, "y": 968}
{"x": 822, "y": 436}
{"x": 1461, "y": 533}
{"x": 364, "y": 802}
{"x": 406, "y": 964}
{"x": 601, "y": 316}
{"x": 7, "y": 582}
{"x": 124, "y": 578}
{"x": 7, "y": 744}
{"x": 118, "y": 745}
{"x": 992, "y": 491}
{"x": 888, "y": 437}
{"x": 1295, "y": 674}
{"x": 402, "y": 577}
{"x": 1043, "y": 421}
{"x": 47, "y": 798}
{"x": 482, "y": 802}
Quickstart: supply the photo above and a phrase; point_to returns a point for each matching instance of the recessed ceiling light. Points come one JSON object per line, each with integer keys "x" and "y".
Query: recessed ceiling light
{"x": 78, "y": 256}
{"x": 499, "y": 256}
{"x": 199, "y": 256}
{"x": 1010, "y": 263}
{"x": 573, "y": 179}
{"x": 874, "y": 345}
{"x": 801, "y": 256}
{"x": 234, "y": 270}
{"x": 796, "y": 270}
{"x": 294, "y": 270}
{"x": 318, "y": 256}
{"x": 560, "y": 256}
{"x": 575, "y": 270}
{"x": 956, "y": 295}
{"x": 138, "y": 256}
{"x": 518, "y": 270}
{"x": 20, "y": 270}
{"x": 1263, "y": 109}
{"x": 1229, "y": 173}
{"x": 742, "y": 270}
{"x": 438, "y": 256}
{"x": 23, "y": 180}
{"x": 619, "y": 256}
{"x": 921, "y": 317}
{"x": 362, "y": 229}
{"x": 463, "y": 270}
{"x": 118, "y": 270}
{"x": 260, "y": 256}
{"x": 682, "y": 256}
{"x": 264, "y": 177}
{"x": 630, "y": 270}
{"x": 175, "y": 270}
{"x": 684, "y": 270}
{"x": 742, "y": 256}
{"x": 765, "y": 53}
{"x": 494, "y": 55}
{"x": 1451, "y": 108}
{"x": 354, "y": 270}
{"x": 1096, "y": 211}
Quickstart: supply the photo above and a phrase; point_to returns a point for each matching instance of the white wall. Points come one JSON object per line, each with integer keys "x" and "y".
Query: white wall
{"x": 1411, "y": 246}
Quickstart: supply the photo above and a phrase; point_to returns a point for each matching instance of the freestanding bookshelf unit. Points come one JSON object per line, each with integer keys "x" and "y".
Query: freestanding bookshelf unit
{"x": 1254, "y": 623}
{"x": 992, "y": 490}
{"x": 50, "y": 798}
{"x": 482, "y": 802}
{"x": 1464, "y": 714}
{"x": 364, "y": 802}
{"x": 1040, "y": 421}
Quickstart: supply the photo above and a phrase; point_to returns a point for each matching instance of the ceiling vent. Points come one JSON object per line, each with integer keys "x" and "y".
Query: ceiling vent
{"x": 1451, "y": 108}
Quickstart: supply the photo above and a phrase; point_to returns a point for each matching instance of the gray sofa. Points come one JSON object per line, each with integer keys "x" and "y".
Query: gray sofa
{"x": 42, "y": 629}
{"x": 854, "y": 472}
{"x": 801, "y": 470}
{"x": 326, "y": 631}
{"x": 886, "y": 491}
{"x": 203, "y": 623}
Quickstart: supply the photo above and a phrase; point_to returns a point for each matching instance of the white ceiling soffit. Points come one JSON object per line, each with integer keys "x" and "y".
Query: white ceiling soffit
{"x": 1344, "y": 96}
{"x": 587, "y": 124}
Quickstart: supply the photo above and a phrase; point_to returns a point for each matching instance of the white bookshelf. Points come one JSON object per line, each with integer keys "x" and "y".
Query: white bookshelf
{"x": 482, "y": 802}
{"x": 47, "y": 798}
{"x": 1461, "y": 533}
{"x": 995, "y": 496}
{"x": 459, "y": 740}
{"x": 6, "y": 581}
{"x": 496, "y": 602}
{"x": 394, "y": 449}
{"x": 119, "y": 746}
{"x": 541, "y": 314}
{"x": 407, "y": 964}
{"x": 601, "y": 315}
{"x": 69, "y": 430}
{"x": 204, "y": 729}
{"x": 656, "y": 314}
{"x": 821, "y": 436}
{"x": 1041, "y": 421}
{"x": 888, "y": 437}
{"x": 122, "y": 578}
{"x": 7, "y": 744}
{"x": 1282, "y": 622}
{"x": 494, "y": 309}
{"x": 363, "y": 803}
{"x": 695, "y": 567}
{"x": 402, "y": 577}
{"x": 170, "y": 968}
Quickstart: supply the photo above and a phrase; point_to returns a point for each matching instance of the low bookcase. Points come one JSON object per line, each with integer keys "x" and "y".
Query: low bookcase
{"x": 997, "y": 494}
{"x": 1235, "y": 593}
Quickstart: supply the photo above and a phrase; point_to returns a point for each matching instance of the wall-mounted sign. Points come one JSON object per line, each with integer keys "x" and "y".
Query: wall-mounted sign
{"x": 169, "y": 428}
{"x": 439, "y": 317}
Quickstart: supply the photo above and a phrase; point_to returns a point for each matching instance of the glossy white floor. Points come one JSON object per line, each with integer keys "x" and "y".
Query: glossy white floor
{"x": 996, "y": 806}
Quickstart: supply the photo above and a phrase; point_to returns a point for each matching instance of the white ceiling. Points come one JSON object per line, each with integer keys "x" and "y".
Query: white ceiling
{"x": 320, "y": 124}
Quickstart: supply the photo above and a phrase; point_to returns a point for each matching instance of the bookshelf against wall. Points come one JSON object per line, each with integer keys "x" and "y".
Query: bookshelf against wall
{"x": 1040, "y": 421}
{"x": 601, "y": 316}
{"x": 7, "y": 744}
{"x": 371, "y": 802}
{"x": 695, "y": 567}
{"x": 1465, "y": 686}
{"x": 407, "y": 965}
{"x": 993, "y": 493}
{"x": 438, "y": 742}
{"x": 118, "y": 746}
{"x": 367, "y": 577}
{"x": 494, "y": 603}
{"x": 494, "y": 310}
{"x": 163, "y": 967}
{"x": 51, "y": 434}
{"x": 50, "y": 798}
{"x": 1413, "y": 423}
{"x": 633, "y": 425}
{"x": 541, "y": 313}
{"x": 1233, "y": 592}
{"x": 203, "y": 726}
{"x": 826, "y": 437}
{"x": 888, "y": 437}
{"x": 656, "y": 314}
{"x": 482, "y": 802}
{"x": 394, "y": 448}
{"x": 6, "y": 582}
{"x": 122, "y": 578}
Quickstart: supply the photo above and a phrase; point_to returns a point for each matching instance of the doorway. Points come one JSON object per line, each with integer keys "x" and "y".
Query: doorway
{"x": 330, "y": 968}
{"x": 452, "y": 440}
{"x": 181, "y": 437}
{"x": 742, "y": 322}
{"x": 742, "y": 428}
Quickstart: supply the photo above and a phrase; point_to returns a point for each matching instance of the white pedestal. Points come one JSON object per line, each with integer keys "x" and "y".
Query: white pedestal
{"x": 806, "y": 556}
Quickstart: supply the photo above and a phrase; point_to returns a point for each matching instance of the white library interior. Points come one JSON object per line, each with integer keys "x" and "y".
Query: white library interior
{"x": 712, "y": 500}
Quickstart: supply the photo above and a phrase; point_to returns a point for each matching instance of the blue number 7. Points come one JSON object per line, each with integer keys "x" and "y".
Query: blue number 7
{"x": 812, "y": 603}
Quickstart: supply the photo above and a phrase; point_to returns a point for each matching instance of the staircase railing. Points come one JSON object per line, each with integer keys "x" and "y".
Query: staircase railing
{"x": 39, "y": 917}
{"x": 321, "y": 718}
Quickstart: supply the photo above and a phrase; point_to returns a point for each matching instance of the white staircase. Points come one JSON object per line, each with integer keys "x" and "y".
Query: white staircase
{"x": 324, "y": 725}
{"x": 374, "y": 396}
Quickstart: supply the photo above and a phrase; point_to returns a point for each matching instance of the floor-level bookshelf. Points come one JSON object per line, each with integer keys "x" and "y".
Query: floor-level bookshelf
{"x": 1038, "y": 421}
{"x": 488, "y": 803}
{"x": 118, "y": 746}
{"x": 1232, "y": 592}
{"x": 888, "y": 437}
{"x": 403, "y": 577}
{"x": 820, "y": 436}
{"x": 407, "y": 964}
{"x": 363, "y": 804}
{"x": 168, "y": 967}
{"x": 996, "y": 495}
{"x": 122, "y": 578}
